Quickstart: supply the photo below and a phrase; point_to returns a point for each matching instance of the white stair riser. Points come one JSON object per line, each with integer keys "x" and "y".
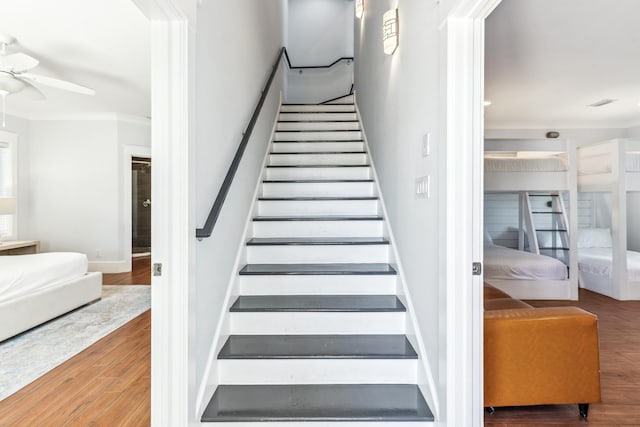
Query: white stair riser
{"x": 318, "y": 108}
{"x": 340, "y": 135}
{"x": 304, "y": 323}
{"x": 317, "y": 207}
{"x": 317, "y": 228}
{"x": 317, "y": 371}
{"x": 310, "y": 254}
{"x": 363, "y": 172}
{"x": 349, "y": 99}
{"x": 366, "y": 284}
{"x": 317, "y": 116}
{"x": 316, "y": 125}
{"x": 317, "y": 159}
{"x": 295, "y": 189}
{"x": 300, "y": 147}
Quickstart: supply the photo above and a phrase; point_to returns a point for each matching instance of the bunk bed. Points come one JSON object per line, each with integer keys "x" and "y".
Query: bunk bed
{"x": 532, "y": 167}
{"x": 607, "y": 267}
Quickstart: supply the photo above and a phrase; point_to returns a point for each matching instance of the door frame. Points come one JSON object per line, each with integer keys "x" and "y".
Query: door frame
{"x": 172, "y": 225}
{"x": 463, "y": 30}
{"x": 129, "y": 152}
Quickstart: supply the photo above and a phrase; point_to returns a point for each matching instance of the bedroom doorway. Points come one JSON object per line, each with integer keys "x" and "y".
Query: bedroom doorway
{"x": 140, "y": 206}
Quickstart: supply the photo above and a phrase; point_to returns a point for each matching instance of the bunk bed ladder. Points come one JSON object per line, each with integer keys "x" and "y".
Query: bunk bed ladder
{"x": 556, "y": 225}
{"x": 527, "y": 225}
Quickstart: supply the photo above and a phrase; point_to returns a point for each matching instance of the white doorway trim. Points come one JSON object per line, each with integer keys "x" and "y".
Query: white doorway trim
{"x": 172, "y": 228}
{"x": 464, "y": 57}
{"x": 129, "y": 152}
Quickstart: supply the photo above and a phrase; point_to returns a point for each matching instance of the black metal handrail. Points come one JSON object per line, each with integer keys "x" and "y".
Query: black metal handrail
{"x": 207, "y": 229}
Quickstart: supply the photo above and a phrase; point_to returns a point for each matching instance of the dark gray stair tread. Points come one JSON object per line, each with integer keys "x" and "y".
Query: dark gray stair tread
{"x": 272, "y": 241}
{"x": 319, "y": 121}
{"x": 319, "y": 218}
{"x": 559, "y": 229}
{"x": 300, "y": 153}
{"x": 546, "y": 212}
{"x": 317, "y": 303}
{"x": 319, "y": 104}
{"x": 318, "y": 130}
{"x": 318, "y": 198}
{"x": 554, "y": 248}
{"x": 317, "y": 347}
{"x": 317, "y": 402}
{"x": 317, "y": 269}
{"x": 317, "y": 140}
{"x": 318, "y": 166}
{"x": 313, "y": 181}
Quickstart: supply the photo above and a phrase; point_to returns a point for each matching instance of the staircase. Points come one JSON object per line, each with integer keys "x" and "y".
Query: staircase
{"x": 545, "y": 219}
{"x": 318, "y": 330}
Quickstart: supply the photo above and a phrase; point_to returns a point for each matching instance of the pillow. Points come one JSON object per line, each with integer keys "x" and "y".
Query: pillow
{"x": 487, "y": 238}
{"x": 594, "y": 238}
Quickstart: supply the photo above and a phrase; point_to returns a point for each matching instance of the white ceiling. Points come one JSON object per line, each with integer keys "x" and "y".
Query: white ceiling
{"x": 546, "y": 60}
{"x": 101, "y": 44}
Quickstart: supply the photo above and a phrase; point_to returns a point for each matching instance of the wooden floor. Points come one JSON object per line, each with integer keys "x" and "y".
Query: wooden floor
{"x": 619, "y": 330}
{"x": 108, "y": 384}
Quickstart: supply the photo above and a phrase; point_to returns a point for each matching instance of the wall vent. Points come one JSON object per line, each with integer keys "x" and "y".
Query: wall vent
{"x": 601, "y": 103}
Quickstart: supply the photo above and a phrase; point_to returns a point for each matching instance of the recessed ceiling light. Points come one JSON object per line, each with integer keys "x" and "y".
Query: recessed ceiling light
{"x": 487, "y": 103}
{"x": 601, "y": 103}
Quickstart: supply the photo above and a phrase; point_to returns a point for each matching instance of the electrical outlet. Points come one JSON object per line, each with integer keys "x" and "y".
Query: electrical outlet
{"x": 98, "y": 253}
{"x": 426, "y": 145}
{"x": 423, "y": 187}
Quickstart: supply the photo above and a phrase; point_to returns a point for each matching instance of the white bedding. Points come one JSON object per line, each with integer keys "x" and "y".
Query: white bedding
{"x": 597, "y": 261}
{"x": 505, "y": 263}
{"x": 546, "y": 164}
{"x": 602, "y": 164}
{"x": 23, "y": 274}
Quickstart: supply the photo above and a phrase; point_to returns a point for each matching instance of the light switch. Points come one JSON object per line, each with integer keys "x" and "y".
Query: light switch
{"x": 426, "y": 145}
{"x": 423, "y": 187}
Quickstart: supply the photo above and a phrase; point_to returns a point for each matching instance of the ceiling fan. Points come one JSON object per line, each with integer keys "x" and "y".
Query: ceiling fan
{"x": 15, "y": 75}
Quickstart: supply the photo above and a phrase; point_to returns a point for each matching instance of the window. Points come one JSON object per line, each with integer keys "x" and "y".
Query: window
{"x": 7, "y": 186}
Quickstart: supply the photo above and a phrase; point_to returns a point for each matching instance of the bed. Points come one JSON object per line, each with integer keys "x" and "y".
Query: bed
{"x": 540, "y": 170}
{"x": 613, "y": 167}
{"x": 525, "y": 275}
{"x": 39, "y": 287}
{"x": 601, "y": 272}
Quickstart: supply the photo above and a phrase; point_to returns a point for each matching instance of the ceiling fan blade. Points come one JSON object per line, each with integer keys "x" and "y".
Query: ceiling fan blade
{"x": 56, "y": 83}
{"x": 32, "y": 92}
{"x": 18, "y": 62}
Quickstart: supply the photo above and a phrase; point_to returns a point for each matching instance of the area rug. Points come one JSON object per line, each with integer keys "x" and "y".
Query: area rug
{"x": 32, "y": 354}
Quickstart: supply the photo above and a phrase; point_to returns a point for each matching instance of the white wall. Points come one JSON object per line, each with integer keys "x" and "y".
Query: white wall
{"x": 73, "y": 198}
{"x": 633, "y": 132}
{"x": 318, "y": 33}
{"x": 229, "y": 79}
{"x": 398, "y": 98}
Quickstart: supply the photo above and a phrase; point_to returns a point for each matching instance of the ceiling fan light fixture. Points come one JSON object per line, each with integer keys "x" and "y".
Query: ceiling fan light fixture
{"x": 10, "y": 84}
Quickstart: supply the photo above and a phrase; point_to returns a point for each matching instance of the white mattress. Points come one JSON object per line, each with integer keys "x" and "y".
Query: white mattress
{"x": 597, "y": 261}
{"x": 23, "y": 274}
{"x": 505, "y": 263}
{"x": 546, "y": 164}
{"x": 602, "y": 164}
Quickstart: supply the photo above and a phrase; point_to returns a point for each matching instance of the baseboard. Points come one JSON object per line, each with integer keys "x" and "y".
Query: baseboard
{"x": 110, "y": 266}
